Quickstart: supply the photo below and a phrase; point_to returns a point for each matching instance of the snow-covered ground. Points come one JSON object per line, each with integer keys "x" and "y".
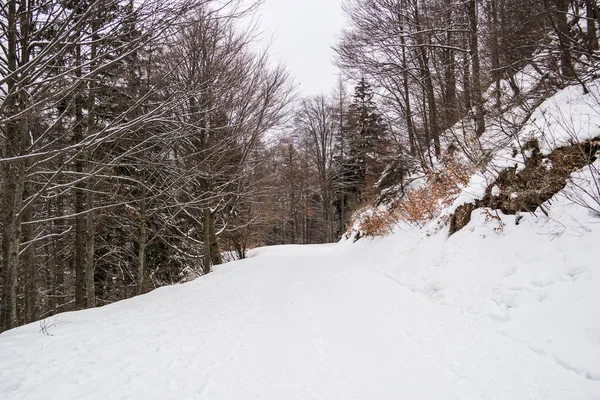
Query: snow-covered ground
{"x": 509, "y": 313}
{"x": 534, "y": 278}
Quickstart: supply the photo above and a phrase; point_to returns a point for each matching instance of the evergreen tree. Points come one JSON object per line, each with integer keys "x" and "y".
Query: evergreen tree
{"x": 366, "y": 140}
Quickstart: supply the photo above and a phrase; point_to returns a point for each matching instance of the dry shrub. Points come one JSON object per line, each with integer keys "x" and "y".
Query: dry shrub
{"x": 489, "y": 217}
{"x": 377, "y": 222}
{"x": 418, "y": 207}
{"x": 422, "y": 204}
{"x": 443, "y": 185}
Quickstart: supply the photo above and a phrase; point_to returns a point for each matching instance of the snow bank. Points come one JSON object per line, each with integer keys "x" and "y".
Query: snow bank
{"x": 567, "y": 118}
{"x": 534, "y": 278}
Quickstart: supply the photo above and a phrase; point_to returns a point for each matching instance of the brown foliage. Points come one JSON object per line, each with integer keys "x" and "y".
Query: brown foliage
{"x": 421, "y": 204}
{"x": 443, "y": 185}
{"x": 377, "y": 223}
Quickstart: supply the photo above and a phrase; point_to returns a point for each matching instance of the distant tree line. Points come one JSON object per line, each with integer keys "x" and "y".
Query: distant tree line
{"x": 329, "y": 164}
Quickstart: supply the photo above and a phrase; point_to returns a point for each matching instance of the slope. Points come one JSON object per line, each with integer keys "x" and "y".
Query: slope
{"x": 291, "y": 322}
{"x": 533, "y": 277}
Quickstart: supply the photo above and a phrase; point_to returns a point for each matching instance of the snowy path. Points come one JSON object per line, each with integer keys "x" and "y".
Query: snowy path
{"x": 289, "y": 323}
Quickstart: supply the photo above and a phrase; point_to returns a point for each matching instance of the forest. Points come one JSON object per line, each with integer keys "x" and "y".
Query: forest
{"x": 143, "y": 143}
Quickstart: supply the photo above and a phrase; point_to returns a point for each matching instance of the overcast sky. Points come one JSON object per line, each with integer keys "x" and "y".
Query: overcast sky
{"x": 303, "y": 32}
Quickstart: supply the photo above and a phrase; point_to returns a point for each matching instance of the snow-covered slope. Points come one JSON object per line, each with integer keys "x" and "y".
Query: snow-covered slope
{"x": 534, "y": 278}
{"x": 511, "y": 316}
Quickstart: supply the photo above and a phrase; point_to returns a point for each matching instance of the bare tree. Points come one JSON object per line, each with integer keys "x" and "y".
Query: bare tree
{"x": 316, "y": 122}
{"x": 53, "y": 57}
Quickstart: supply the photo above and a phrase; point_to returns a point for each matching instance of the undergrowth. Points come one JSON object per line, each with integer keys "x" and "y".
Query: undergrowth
{"x": 422, "y": 202}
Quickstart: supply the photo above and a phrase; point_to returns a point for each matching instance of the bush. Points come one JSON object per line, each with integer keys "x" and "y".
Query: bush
{"x": 419, "y": 205}
{"x": 376, "y": 222}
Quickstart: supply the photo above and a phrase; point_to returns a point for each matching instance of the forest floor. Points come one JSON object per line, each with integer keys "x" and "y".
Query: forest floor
{"x": 484, "y": 314}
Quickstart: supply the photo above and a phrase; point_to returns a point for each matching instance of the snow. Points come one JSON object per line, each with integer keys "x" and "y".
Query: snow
{"x": 535, "y": 281}
{"x": 568, "y": 117}
{"x": 496, "y": 191}
{"x": 507, "y": 313}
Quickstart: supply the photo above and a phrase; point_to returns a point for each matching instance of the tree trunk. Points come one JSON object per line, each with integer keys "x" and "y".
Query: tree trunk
{"x": 412, "y": 137}
{"x": 13, "y": 188}
{"x": 91, "y": 216}
{"x": 476, "y": 78}
{"x": 80, "y": 218}
{"x": 449, "y": 75}
{"x": 494, "y": 48}
{"x": 89, "y": 250}
{"x": 11, "y": 234}
{"x": 564, "y": 38}
{"x": 467, "y": 82}
{"x": 215, "y": 253}
{"x": 29, "y": 264}
{"x": 429, "y": 89}
{"x": 16, "y": 134}
{"x": 426, "y": 130}
{"x": 212, "y": 255}
{"x": 142, "y": 271}
{"x": 592, "y": 35}
{"x": 327, "y": 214}
{"x": 58, "y": 256}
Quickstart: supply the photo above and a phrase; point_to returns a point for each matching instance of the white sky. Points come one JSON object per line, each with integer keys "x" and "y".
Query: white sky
{"x": 303, "y": 32}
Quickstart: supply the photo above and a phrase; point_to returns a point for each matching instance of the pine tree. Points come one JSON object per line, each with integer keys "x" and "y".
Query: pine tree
{"x": 367, "y": 141}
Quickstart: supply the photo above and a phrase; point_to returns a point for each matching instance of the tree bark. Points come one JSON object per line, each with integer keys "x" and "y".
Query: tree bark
{"x": 450, "y": 108}
{"x": 212, "y": 255}
{"x": 412, "y": 137}
{"x": 494, "y": 48}
{"x": 11, "y": 233}
{"x": 215, "y": 253}
{"x": 142, "y": 271}
{"x": 91, "y": 216}
{"x": 591, "y": 10}
{"x": 476, "y": 73}
{"x": 564, "y": 38}
{"x": 16, "y": 132}
{"x": 29, "y": 264}
{"x": 89, "y": 252}
{"x": 80, "y": 218}
{"x": 429, "y": 89}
